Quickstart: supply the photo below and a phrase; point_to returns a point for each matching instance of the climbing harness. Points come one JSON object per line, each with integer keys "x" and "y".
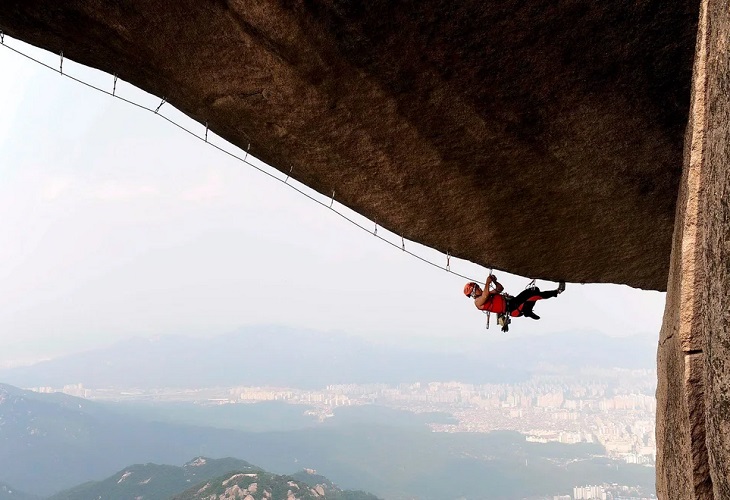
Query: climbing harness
{"x": 504, "y": 319}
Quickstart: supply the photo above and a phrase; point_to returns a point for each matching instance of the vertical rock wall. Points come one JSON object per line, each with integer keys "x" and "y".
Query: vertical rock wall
{"x": 715, "y": 258}
{"x": 681, "y": 455}
{"x": 693, "y": 392}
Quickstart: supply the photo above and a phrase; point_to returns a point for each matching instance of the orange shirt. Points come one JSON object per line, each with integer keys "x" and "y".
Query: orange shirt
{"x": 495, "y": 303}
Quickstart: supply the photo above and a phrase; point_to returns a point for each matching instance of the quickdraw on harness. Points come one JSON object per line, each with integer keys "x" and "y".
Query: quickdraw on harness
{"x": 487, "y": 312}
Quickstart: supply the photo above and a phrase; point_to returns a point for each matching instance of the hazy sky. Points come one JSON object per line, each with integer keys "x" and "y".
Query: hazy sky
{"x": 113, "y": 223}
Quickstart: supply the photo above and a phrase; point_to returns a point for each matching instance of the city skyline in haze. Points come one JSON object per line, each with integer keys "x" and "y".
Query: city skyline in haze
{"x": 116, "y": 224}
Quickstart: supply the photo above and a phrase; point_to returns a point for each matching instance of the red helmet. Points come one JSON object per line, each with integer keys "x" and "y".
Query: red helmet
{"x": 469, "y": 288}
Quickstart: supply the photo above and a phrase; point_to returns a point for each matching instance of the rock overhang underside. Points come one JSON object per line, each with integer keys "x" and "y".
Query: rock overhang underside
{"x": 542, "y": 138}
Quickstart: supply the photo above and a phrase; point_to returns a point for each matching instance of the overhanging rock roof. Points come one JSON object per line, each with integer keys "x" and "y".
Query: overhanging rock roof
{"x": 543, "y": 138}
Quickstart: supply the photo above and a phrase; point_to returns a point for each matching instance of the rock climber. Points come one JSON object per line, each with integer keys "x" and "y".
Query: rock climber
{"x": 505, "y": 305}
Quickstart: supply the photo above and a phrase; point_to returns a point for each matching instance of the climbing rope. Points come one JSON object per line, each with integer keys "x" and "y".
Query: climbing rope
{"x": 204, "y": 138}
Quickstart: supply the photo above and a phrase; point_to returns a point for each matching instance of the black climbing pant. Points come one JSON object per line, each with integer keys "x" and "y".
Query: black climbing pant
{"x": 527, "y": 299}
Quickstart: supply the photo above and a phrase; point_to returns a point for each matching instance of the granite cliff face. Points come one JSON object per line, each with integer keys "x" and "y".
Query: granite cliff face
{"x": 693, "y": 394}
{"x": 543, "y": 138}
{"x": 585, "y": 141}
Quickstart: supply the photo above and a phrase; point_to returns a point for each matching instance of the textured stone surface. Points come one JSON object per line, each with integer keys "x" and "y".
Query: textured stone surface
{"x": 543, "y": 138}
{"x": 681, "y": 457}
{"x": 694, "y": 379}
{"x": 674, "y": 460}
{"x": 715, "y": 317}
{"x": 693, "y": 394}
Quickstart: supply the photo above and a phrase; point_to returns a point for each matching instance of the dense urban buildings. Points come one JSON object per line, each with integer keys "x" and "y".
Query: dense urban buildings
{"x": 613, "y": 407}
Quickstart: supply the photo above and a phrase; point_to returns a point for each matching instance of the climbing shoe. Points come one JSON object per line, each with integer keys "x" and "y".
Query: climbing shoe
{"x": 561, "y": 287}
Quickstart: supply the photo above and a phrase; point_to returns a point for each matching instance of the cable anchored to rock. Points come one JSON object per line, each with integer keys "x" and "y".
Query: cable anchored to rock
{"x": 244, "y": 159}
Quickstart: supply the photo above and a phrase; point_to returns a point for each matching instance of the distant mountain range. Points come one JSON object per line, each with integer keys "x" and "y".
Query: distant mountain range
{"x": 52, "y": 442}
{"x": 203, "y": 477}
{"x": 156, "y": 482}
{"x": 306, "y": 359}
{"x": 263, "y": 485}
